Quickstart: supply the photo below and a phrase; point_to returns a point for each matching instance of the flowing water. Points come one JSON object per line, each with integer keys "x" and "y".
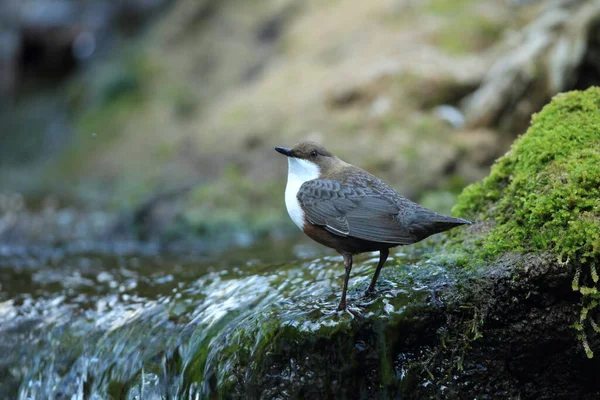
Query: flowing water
{"x": 128, "y": 322}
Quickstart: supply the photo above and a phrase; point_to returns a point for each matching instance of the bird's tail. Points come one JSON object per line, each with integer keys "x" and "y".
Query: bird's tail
{"x": 445, "y": 223}
{"x": 451, "y": 221}
{"x": 428, "y": 223}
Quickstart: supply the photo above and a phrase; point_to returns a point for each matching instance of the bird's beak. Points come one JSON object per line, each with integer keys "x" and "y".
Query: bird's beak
{"x": 285, "y": 151}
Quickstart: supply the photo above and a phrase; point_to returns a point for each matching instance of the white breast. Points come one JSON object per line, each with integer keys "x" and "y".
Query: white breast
{"x": 299, "y": 171}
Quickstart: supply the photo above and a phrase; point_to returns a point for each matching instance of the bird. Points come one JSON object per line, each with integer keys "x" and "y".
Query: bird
{"x": 344, "y": 207}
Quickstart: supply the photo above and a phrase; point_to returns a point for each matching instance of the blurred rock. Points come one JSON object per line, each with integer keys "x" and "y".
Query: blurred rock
{"x": 346, "y": 96}
{"x": 556, "y": 52}
{"x": 482, "y": 146}
{"x": 431, "y": 91}
{"x": 132, "y": 13}
{"x": 9, "y": 50}
{"x": 450, "y": 114}
{"x": 46, "y": 40}
{"x": 381, "y": 106}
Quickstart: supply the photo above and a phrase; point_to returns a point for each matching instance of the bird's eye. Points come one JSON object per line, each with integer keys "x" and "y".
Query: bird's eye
{"x": 313, "y": 153}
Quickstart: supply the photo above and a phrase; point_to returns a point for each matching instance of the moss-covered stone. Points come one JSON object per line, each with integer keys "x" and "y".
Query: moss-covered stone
{"x": 539, "y": 223}
{"x": 543, "y": 196}
{"x": 545, "y": 193}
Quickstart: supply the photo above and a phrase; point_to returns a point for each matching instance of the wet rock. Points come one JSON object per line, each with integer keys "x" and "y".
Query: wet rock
{"x": 496, "y": 321}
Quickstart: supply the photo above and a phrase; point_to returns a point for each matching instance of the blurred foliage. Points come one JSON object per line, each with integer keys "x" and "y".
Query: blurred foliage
{"x": 202, "y": 95}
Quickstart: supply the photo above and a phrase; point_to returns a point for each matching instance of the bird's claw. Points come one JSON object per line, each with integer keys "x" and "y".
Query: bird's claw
{"x": 354, "y": 312}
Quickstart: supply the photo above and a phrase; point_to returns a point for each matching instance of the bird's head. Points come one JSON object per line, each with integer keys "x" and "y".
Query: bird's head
{"x": 310, "y": 158}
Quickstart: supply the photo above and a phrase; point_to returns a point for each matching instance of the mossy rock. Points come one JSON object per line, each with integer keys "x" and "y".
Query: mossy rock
{"x": 544, "y": 195}
{"x": 497, "y": 317}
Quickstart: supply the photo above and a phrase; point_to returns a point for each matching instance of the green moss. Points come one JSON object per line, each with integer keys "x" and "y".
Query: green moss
{"x": 543, "y": 195}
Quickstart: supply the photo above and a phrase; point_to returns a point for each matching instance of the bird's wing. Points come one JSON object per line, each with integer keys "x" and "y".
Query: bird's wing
{"x": 359, "y": 212}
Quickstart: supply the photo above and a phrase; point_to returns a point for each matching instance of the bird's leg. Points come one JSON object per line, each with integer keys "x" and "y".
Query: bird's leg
{"x": 348, "y": 267}
{"x": 383, "y": 255}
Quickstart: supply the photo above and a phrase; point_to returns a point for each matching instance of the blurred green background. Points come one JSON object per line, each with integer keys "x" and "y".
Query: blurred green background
{"x": 155, "y": 120}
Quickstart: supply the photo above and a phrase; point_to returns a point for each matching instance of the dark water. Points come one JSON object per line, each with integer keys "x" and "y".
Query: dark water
{"x": 122, "y": 322}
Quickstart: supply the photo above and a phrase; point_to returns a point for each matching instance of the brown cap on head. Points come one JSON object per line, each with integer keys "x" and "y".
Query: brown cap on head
{"x": 313, "y": 152}
{"x": 306, "y": 150}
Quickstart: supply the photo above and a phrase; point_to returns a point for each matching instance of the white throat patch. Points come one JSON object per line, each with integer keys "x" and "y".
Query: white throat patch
{"x": 299, "y": 171}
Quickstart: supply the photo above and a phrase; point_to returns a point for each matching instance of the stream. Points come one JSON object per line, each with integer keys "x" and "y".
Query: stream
{"x": 119, "y": 321}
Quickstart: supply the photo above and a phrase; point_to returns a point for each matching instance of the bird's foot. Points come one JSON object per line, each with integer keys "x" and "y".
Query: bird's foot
{"x": 369, "y": 292}
{"x": 354, "y": 312}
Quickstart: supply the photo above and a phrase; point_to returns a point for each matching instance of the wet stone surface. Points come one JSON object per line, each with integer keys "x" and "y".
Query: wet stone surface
{"x": 116, "y": 321}
{"x": 94, "y": 324}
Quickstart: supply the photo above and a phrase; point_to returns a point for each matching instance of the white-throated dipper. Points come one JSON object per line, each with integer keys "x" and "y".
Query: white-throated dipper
{"x": 348, "y": 209}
